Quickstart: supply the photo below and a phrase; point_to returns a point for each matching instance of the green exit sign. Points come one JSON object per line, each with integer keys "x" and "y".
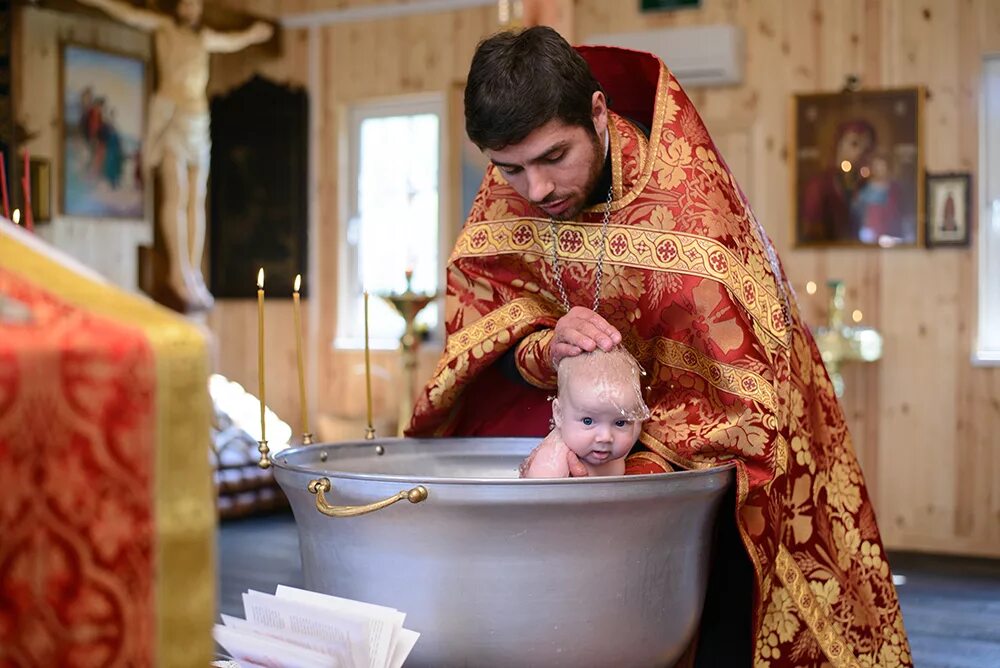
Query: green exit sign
{"x": 666, "y": 5}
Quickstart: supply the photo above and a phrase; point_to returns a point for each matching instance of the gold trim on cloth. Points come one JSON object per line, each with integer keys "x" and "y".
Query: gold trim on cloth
{"x": 184, "y": 508}
{"x": 728, "y": 378}
{"x": 493, "y": 325}
{"x": 616, "y": 159}
{"x": 818, "y": 619}
{"x": 660, "y": 108}
{"x": 630, "y": 246}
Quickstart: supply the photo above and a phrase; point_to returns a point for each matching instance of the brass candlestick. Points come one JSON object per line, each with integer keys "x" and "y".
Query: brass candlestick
{"x": 408, "y": 304}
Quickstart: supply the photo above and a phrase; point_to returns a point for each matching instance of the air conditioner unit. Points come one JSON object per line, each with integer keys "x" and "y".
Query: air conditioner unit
{"x": 709, "y": 55}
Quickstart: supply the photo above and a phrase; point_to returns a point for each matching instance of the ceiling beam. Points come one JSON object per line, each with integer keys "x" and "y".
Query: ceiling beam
{"x": 378, "y": 12}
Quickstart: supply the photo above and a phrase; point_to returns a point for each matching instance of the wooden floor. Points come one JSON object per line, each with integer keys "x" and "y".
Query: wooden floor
{"x": 951, "y": 606}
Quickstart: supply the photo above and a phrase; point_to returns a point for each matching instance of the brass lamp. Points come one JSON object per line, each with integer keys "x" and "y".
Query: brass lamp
{"x": 840, "y": 343}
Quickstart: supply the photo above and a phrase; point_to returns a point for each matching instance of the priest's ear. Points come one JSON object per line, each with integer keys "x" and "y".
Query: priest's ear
{"x": 599, "y": 113}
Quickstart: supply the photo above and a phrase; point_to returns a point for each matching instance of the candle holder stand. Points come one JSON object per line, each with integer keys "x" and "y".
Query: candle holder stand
{"x": 408, "y": 304}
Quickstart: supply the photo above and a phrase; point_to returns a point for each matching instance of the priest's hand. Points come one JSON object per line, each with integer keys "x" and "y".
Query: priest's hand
{"x": 577, "y": 469}
{"x": 553, "y": 459}
{"x": 581, "y": 330}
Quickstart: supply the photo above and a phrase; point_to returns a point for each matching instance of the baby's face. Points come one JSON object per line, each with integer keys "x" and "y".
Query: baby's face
{"x": 592, "y": 424}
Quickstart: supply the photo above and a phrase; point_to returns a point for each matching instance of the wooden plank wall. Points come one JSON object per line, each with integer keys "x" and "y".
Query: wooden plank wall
{"x": 926, "y": 423}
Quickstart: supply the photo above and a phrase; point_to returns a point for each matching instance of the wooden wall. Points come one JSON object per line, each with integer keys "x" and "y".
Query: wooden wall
{"x": 926, "y": 422}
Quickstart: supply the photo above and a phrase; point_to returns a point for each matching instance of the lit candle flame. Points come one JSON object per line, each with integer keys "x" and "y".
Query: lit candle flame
{"x": 260, "y": 350}
{"x": 16, "y": 217}
{"x": 857, "y": 315}
{"x": 303, "y": 403}
{"x": 811, "y": 287}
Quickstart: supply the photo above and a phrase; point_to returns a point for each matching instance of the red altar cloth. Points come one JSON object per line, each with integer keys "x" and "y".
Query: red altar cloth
{"x": 106, "y": 514}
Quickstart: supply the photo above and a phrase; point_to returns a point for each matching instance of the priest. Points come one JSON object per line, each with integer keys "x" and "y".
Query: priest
{"x": 608, "y": 215}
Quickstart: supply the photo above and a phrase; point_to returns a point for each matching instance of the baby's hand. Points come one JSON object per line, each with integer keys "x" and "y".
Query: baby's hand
{"x": 547, "y": 460}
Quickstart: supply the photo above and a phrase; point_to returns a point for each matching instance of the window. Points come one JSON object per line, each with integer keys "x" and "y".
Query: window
{"x": 988, "y": 336}
{"x": 393, "y": 216}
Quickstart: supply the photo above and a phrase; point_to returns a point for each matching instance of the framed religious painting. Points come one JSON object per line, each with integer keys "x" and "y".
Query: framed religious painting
{"x": 857, "y": 168}
{"x": 103, "y": 121}
{"x": 949, "y": 211}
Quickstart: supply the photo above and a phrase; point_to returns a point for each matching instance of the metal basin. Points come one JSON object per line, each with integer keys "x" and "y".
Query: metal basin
{"x": 497, "y": 571}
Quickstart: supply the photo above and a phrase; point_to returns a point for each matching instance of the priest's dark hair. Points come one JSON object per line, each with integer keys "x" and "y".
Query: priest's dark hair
{"x": 519, "y": 81}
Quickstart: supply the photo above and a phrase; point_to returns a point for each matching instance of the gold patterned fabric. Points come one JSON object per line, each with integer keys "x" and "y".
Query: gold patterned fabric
{"x": 693, "y": 284}
{"x": 108, "y": 516}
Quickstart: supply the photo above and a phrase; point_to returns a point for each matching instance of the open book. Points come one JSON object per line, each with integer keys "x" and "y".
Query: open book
{"x": 294, "y": 628}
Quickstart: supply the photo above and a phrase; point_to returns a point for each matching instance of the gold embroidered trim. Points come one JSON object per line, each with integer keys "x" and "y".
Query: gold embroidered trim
{"x": 493, "y": 323}
{"x": 646, "y": 170}
{"x": 642, "y": 147}
{"x": 616, "y": 159}
{"x": 780, "y": 455}
{"x": 819, "y": 620}
{"x": 728, "y": 378}
{"x": 630, "y": 246}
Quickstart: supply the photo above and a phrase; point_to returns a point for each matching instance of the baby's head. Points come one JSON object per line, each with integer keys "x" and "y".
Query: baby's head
{"x": 600, "y": 410}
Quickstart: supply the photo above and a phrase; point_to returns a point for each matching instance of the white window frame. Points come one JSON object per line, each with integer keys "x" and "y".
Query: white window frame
{"x": 348, "y": 271}
{"x": 986, "y": 351}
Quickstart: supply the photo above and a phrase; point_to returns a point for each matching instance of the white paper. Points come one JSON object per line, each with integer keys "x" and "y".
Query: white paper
{"x": 385, "y": 622}
{"x": 296, "y": 628}
{"x": 323, "y": 631}
{"x": 339, "y": 652}
{"x": 246, "y": 647}
{"x": 407, "y": 639}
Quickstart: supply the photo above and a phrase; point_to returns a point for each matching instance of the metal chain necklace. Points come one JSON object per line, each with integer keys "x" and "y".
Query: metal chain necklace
{"x": 600, "y": 258}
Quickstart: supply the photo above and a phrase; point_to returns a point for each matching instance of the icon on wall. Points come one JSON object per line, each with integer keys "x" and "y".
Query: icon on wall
{"x": 948, "y": 209}
{"x": 103, "y": 106}
{"x": 857, "y": 168}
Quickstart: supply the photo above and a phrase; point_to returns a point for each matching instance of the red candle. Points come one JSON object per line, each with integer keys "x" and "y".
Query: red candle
{"x": 3, "y": 185}
{"x": 29, "y": 223}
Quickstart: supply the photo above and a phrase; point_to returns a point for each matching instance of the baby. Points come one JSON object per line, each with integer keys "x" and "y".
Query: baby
{"x": 598, "y": 415}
